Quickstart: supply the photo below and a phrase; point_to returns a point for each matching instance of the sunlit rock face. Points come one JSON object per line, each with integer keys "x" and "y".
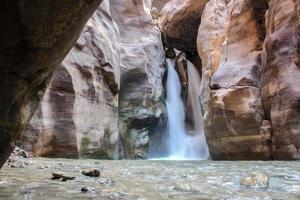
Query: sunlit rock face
{"x": 280, "y": 77}
{"x": 141, "y": 101}
{"x": 179, "y": 21}
{"x": 78, "y": 116}
{"x": 229, "y": 43}
{"x": 33, "y": 43}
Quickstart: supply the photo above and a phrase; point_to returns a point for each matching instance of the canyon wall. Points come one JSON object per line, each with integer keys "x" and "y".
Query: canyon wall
{"x": 33, "y": 43}
{"x": 78, "y": 116}
{"x": 84, "y": 104}
{"x": 141, "y": 100}
{"x": 106, "y": 99}
{"x": 280, "y": 77}
{"x": 230, "y": 44}
{"x": 249, "y": 89}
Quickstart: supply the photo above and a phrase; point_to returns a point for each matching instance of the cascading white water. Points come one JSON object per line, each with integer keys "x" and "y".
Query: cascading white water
{"x": 181, "y": 145}
{"x": 198, "y": 142}
{"x": 176, "y": 114}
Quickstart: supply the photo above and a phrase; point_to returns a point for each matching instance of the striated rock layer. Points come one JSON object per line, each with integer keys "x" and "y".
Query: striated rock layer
{"x": 141, "y": 101}
{"x": 83, "y": 108}
{"x": 251, "y": 96}
{"x": 78, "y": 115}
{"x": 32, "y": 44}
{"x": 280, "y": 77}
{"x": 229, "y": 44}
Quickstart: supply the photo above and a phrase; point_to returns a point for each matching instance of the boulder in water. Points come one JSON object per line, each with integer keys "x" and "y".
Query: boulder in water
{"x": 256, "y": 180}
{"x": 92, "y": 173}
{"x": 57, "y": 176}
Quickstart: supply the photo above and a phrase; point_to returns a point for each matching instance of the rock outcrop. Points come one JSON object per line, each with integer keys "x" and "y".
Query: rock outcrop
{"x": 179, "y": 21}
{"x": 78, "y": 115}
{"x": 280, "y": 77}
{"x": 36, "y": 38}
{"x": 230, "y": 44}
{"x": 141, "y": 101}
{"x": 83, "y": 110}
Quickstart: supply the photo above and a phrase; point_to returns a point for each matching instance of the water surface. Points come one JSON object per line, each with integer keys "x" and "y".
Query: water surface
{"x": 149, "y": 179}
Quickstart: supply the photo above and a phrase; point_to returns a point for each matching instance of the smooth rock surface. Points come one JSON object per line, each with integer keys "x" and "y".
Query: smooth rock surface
{"x": 78, "y": 116}
{"x": 141, "y": 101}
{"x": 32, "y": 44}
{"x": 229, "y": 44}
{"x": 179, "y": 21}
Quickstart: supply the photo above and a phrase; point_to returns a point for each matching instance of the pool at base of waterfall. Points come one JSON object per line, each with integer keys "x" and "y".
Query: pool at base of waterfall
{"x": 148, "y": 179}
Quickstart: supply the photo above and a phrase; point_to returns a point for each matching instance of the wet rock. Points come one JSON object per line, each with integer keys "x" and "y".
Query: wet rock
{"x": 118, "y": 195}
{"x": 87, "y": 189}
{"x": 170, "y": 53}
{"x": 108, "y": 182}
{"x": 18, "y": 159}
{"x": 20, "y": 152}
{"x": 41, "y": 166}
{"x": 91, "y": 173}
{"x": 17, "y": 164}
{"x": 256, "y": 180}
{"x": 57, "y": 176}
{"x": 186, "y": 187}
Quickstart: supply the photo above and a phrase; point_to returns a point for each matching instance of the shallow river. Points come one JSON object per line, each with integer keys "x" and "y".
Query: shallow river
{"x": 148, "y": 180}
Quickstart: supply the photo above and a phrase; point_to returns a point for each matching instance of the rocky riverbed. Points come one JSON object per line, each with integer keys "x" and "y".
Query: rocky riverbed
{"x": 128, "y": 179}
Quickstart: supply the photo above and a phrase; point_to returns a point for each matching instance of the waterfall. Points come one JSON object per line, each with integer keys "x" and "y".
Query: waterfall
{"x": 198, "y": 143}
{"x": 176, "y": 114}
{"x": 184, "y": 146}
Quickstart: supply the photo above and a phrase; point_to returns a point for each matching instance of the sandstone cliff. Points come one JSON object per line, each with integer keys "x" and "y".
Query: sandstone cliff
{"x": 32, "y": 45}
{"x": 230, "y": 45}
{"x": 81, "y": 108}
{"x": 141, "y": 100}
{"x": 280, "y": 77}
{"x": 249, "y": 56}
{"x": 78, "y": 115}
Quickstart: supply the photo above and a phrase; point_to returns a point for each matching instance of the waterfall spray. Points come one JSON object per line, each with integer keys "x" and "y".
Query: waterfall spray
{"x": 183, "y": 146}
{"x": 198, "y": 142}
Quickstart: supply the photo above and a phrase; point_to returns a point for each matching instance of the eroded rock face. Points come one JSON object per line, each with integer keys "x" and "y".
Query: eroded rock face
{"x": 81, "y": 109}
{"x": 229, "y": 44}
{"x": 159, "y": 4}
{"x": 78, "y": 115}
{"x": 32, "y": 46}
{"x": 179, "y": 21}
{"x": 141, "y": 104}
{"x": 280, "y": 77}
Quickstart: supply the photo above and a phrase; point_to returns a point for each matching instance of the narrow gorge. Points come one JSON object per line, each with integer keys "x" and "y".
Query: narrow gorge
{"x": 172, "y": 83}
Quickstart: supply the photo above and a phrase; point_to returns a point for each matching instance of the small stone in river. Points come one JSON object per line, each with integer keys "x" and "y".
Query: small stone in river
{"x": 92, "y": 173}
{"x": 108, "y": 182}
{"x": 17, "y": 165}
{"x": 87, "y": 189}
{"x": 84, "y": 189}
{"x": 256, "y": 180}
{"x": 56, "y": 176}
